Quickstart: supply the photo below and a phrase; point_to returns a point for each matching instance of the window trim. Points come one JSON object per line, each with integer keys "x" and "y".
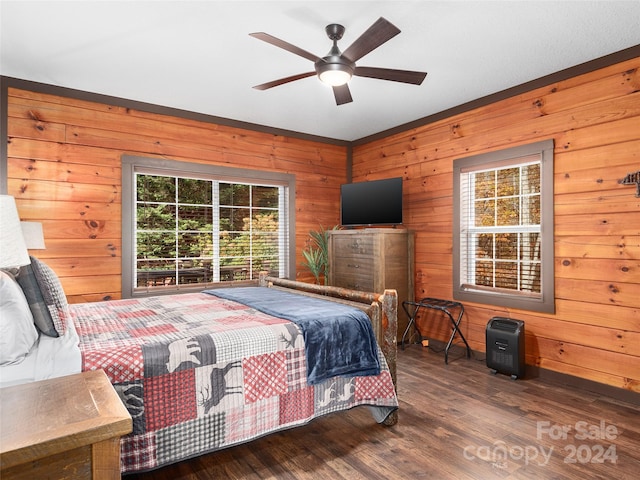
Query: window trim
{"x": 546, "y": 302}
{"x": 131, "y": 163}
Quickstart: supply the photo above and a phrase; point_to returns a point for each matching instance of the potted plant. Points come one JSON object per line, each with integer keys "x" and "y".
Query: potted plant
{"x": 316, "y": 255}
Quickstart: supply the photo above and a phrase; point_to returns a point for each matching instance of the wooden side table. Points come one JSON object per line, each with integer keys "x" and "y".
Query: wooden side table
{"x": 62, "y": 428}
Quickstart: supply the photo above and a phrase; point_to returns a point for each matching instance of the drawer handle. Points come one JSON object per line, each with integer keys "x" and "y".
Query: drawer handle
{"x": 355, "y": 245}
{"x": 353, "y": 265}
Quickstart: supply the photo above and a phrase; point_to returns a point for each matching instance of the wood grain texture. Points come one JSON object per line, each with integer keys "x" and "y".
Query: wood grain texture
{"x": 451, "y": 422}
{"x": 594, "y": 120}
{"x": 64, "y": 168}
{"x": 372, "y": 259}
{"x": 67, "y": 427}
{"x": 64, "y": 160}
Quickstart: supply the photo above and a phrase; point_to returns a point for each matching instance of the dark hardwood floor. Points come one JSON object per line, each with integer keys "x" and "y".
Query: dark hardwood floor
{"x": 456, "y": 421}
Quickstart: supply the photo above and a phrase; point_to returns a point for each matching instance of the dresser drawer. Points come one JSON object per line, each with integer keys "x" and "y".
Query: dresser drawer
{"x": 353, "y": 281}
{"x": 355, "y": 266}
{"x": 349, "y": 245}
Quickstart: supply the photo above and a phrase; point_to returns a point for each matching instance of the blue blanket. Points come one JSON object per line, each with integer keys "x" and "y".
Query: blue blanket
{"x": 339, "y": 339}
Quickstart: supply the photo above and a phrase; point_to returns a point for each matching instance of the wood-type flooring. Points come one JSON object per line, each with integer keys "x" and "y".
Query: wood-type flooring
{"x": 456, "y": 421}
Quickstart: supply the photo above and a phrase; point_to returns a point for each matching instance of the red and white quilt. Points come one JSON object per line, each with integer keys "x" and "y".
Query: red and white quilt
{"x": 199, "y": 373}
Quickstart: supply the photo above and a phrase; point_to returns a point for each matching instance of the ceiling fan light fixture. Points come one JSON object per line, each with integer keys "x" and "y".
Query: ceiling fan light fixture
{"x": 335, "y": 78}
{"x": 334, "y": 74}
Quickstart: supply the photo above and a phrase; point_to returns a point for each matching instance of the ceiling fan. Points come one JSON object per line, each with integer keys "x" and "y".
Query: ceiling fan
{"x": 337, "y": 68}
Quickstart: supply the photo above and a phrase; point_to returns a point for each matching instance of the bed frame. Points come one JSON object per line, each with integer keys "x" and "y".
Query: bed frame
{"x": 382, "y": 310}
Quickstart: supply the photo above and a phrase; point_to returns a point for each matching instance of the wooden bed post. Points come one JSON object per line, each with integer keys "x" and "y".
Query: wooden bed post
{"x": 389, "y": 345}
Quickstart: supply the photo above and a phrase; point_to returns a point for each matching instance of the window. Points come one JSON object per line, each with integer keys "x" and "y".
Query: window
{"x": 503, "y": 228}
{"x": 186, "y": 226}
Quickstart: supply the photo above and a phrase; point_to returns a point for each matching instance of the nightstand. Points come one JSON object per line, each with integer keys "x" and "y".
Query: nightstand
{"x": 62, "y": 428}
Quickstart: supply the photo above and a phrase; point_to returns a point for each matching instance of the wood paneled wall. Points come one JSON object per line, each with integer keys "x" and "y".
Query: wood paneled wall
{"x": 63, "y": 167}
{"x": 594, "y": 120}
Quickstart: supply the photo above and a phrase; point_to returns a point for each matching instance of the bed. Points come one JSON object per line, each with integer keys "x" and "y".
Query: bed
{"x": 203, "y": 371}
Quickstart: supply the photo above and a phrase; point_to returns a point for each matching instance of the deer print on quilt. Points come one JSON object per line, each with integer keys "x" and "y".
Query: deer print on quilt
{"x": 198, "y": 373}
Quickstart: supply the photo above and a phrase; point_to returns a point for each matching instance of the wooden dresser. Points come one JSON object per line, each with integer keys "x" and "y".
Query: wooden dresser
{"x": 373, "y": 259}
{"x": 62, "y": 428}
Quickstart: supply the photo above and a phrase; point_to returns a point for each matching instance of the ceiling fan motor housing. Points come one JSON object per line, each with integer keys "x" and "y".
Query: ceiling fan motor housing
{"x": 334, "y": 61}
{"x": 334, "y": 31}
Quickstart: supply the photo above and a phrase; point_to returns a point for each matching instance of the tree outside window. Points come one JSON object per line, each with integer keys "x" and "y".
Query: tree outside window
{"x": 503, "y": 233}
{"x": 198, "y": 231}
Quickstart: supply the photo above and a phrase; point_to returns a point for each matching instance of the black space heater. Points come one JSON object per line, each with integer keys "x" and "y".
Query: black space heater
{"x": 505, "y": 346}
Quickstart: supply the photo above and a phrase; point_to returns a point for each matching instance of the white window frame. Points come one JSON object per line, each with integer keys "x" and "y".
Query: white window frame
{"x": 132, "y": 165}
{"x": 463, "y": 284}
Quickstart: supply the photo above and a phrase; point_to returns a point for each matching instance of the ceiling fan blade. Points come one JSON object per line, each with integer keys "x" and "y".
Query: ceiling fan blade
{"x": 265, "y": 37}
{"x": 342, "y": 94}
{"x": 404, "y": 76}
{"x": 381, "y": 31}
{"x": 282, "y": 81}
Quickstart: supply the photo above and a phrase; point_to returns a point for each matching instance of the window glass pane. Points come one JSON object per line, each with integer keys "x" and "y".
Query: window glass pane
{"x": 485, "y": 184}
{"x": 265, "y": 196}
{"x": 195, "y": 244}
{"x": 531, "y": 210}
{"x": 156, "y": 245}
{"x": 485, "y": 213}
{"x": 234, "y": 219}
{"x": 265, "y": 221}
{"x": 508, "y": 211}
{"x": 195, "y": 218}
{"x": 508, "y": 182}
{"x": 232, "y": 194}
{"x": 191, "y": 190}
{"x": 152, "y": 188}
{"x": 266, "y": 264}
{"x": 154, "y": 273}
{"x": 234, "y": 244}
{"x": 154, "y": 216}
{"x": 531, "y": 279}
{"x": 189, "y": 272}
{"x": 507, "y": 246}
{"x": 531, "y": 178}
{"x": 265, "y": 244}
{"x": 484, "y": 274}
{"x": 485, "y": 245}
{"x": 507, "y": 275}
{"x": 530, "y": 246}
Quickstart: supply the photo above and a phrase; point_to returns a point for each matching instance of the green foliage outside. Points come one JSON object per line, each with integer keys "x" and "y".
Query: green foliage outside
{"x": 180, "y": 230}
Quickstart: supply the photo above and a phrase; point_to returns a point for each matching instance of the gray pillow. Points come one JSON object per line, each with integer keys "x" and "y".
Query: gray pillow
{"x": 41, "y": 316}
{"x": 45, "y": 296}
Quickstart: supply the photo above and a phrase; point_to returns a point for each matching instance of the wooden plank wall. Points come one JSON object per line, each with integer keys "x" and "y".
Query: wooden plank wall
{"x": 64, "y": 158}
{"x": 594, "y": 120}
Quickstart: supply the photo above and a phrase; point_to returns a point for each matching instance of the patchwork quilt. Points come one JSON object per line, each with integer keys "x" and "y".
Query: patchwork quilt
{"x": 199, "y": 373}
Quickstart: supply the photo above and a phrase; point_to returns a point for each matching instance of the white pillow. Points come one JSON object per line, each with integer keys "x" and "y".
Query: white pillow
{"x": 18, "y": 333}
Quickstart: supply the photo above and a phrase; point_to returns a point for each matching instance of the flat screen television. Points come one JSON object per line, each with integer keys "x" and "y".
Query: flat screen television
{"x": 378, "y": 202}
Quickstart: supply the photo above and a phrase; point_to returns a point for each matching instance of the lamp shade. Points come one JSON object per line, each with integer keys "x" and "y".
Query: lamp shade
{"x": 13, "y": 250}
{"x": 33, "y": 235}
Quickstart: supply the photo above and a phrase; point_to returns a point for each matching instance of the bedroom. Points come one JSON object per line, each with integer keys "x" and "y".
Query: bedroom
{"x": 63, "y": 150}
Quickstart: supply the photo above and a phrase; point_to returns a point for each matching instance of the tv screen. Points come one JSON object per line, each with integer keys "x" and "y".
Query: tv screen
{"x": 378, "y": 202}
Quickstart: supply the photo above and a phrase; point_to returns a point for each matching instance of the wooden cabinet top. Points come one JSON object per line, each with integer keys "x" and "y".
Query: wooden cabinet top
{"x": 371, "y": 231}
{"x": 43, "y": 418}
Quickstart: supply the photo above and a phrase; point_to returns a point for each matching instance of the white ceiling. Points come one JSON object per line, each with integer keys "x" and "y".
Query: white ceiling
{"x": 198, "y": 55}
